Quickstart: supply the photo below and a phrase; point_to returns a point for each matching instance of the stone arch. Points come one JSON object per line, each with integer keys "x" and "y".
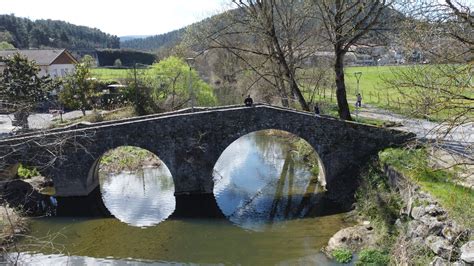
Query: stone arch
{"x": 311, "y": 140}
{"x": 92, "y": 180}
{"x": 276, "y": 179}
{"x": 151, "y": 189}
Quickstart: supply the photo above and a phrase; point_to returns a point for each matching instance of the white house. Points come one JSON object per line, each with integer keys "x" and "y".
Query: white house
{"x": 55, "y": 62}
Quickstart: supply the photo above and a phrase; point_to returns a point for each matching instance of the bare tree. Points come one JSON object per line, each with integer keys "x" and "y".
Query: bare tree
{"x": 271, "y": 37}
{"x": 442, "y": 88}
{"x": 346, "y": 22}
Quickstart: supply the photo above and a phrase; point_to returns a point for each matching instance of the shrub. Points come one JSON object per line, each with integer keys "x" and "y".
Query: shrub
{"x": 372, "y": 257}
{"x": 342, "y": 255}
{"x": 27, "y": 172}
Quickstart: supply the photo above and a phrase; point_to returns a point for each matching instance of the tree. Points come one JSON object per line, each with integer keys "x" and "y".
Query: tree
{"x": 165, "y": 86}
{"x": 21, "y": 85}
{"x": 118, "y": 63}
{"x": 79, "y": 87}
{"x": 170, "y": 81}
{"x": 346, "y": 22}
{"x": 6, "y": 46}
{"x": 272, "y": 39}
{"x": 442, "y": 90}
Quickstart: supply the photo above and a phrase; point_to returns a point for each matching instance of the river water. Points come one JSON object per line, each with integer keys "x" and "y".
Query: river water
{"x": 267, "y": 190}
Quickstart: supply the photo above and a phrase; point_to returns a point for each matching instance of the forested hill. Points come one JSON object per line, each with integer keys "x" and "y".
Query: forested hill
{"x": 155, "y": 42}
{"x": 24, "y": 33}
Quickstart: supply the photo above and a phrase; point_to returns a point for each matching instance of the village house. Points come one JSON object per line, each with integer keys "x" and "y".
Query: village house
{"x": 53, "y": 62}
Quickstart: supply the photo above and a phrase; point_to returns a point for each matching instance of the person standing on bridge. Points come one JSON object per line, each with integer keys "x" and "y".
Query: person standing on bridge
{"x": 248, "y": 101}
{"x": 316, "y": 109}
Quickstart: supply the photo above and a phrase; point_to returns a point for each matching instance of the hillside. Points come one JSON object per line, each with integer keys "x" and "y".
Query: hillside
{"x": 24, "y": 33}
{"x": 155, "y": 42}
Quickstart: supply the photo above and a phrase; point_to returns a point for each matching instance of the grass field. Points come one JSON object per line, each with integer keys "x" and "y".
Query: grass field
{"x": 373, "y": 87}
{"x": 109, "y": 74}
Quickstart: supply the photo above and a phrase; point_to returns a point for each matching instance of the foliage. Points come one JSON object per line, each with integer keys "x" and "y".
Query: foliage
{"x": 27, "y": 172}
{"x": 165, "y": 86}
{"x": 126, "y": 158}
{"x": 108, "y": 57}
{"x": 6, "y": 46}
{"x": 376, "y": 202}
{"x": 373, "y": 257}
{"x": 414, "y": 163}
{"x": 21, "y": 85}
{"x": 53, "y": 33}
{"x": 79, "y": 88}
{"x": 156, "y": 42}
{"x": 20, "y": 82}
{"x": 342, "y": 255}
{"x": 117, "y": 62}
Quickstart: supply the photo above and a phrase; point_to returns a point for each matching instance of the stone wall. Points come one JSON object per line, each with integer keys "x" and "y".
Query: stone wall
{"x": 428, "y": 224}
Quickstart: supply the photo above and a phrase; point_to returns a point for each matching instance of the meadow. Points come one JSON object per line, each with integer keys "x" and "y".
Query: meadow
{"x": 373, "y": 87}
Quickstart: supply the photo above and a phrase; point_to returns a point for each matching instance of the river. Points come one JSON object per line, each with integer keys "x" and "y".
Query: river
{"x": 267, "y": 190}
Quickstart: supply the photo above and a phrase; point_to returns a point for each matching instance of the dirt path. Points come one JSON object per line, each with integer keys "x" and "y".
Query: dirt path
{"x": 456, "y": 147}
{"x": 460, "y": 139}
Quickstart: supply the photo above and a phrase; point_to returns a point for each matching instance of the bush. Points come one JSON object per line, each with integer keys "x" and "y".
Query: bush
{"x": 27, "y": 172}
{"x": 342, "y": 255}
{"x": 372, "y": 257}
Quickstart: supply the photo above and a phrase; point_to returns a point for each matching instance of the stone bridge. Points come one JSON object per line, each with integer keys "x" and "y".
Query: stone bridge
{"x": 190, "y": 143}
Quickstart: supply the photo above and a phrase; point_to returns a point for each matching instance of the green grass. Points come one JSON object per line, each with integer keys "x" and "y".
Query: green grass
{"x": 125, "y": 158}
{"x": 342, "y": 255}
{"x": 110, "y": 74}
{"x": 413, "y": 163}
{"x": 373, "y": 257}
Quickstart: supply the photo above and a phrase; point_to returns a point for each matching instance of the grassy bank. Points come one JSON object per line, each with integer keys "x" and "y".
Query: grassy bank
{"x": 127, "y": 158}
{"x": 414, "y": 163}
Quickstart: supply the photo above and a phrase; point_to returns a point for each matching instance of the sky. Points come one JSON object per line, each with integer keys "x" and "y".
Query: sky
{"x": 118, "y": 17}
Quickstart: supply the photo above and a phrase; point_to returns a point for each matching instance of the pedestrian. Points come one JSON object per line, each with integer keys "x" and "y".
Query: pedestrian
{"x": 359, "y": 100}
{"x": 316, "y": 108}
{"x": 248, "y": 101}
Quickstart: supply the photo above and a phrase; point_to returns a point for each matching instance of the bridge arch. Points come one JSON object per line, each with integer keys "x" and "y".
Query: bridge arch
{"x": 93, "y": 165}
{"x": 232, "y": 139}
{"x": 135, "y": 185}
{"x": 260, "y": 177}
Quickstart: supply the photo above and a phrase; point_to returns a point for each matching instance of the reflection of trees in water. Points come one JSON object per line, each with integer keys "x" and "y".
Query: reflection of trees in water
{"x": 287, "y": 197}
{"x": 284, "y": 186}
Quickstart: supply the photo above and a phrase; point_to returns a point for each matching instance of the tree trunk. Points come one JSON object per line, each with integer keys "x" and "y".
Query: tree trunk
{"x": 280, "y": 57}
{"x": 343, "y": 107}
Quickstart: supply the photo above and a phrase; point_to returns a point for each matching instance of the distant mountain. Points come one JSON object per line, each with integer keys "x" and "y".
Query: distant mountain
{"x": 24, "y": 33}
{"x": 132, "y": 37}
{"x": 153, "y": 43}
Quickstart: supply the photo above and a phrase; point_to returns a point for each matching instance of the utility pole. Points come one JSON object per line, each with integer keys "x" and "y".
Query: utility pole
{"x": 135, "y": 82}
{"x": 189, "y": 61}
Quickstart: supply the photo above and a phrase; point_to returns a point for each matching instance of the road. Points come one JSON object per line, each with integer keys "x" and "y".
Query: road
{"x": 459, "y": 139}
{"x": 35, "y": 121}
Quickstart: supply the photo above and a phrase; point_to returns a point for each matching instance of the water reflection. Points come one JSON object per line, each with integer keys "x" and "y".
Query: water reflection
{"x": 142, "y": 198}
{"x": 260, "y": 179}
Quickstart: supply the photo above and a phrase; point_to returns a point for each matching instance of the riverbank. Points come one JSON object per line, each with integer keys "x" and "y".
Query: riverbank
{"x": 12, "y": 226}
{"x": 127, "y": 159}
{"x": 408, "y": 213}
